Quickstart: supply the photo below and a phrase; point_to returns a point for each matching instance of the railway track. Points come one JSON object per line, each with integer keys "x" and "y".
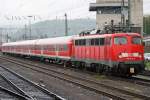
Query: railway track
{"x": 26, "y": 88}
{"x": 136, "y": 80}
{"x": 102, "y": 88}
{"x": 143, "y": 80}
{"x": 146, "y": 73}
{"x": 6, "y": 94}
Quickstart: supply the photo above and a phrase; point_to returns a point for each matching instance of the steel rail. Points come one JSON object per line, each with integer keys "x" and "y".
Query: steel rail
{"x": 56, "y": 97}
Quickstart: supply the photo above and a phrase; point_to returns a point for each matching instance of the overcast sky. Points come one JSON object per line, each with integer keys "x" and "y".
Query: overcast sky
{"x": 47, "y": 9}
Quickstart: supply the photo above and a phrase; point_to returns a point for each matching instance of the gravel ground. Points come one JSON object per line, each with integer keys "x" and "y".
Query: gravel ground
{"x": 62, "y": 88}
{"x": 121, "y": 84}
{"x": 6, "y": 96}
{"x": 6, "y": 85}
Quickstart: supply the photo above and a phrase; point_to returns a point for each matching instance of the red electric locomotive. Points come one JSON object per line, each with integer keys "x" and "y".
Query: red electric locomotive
{"x": 120, "y": 53}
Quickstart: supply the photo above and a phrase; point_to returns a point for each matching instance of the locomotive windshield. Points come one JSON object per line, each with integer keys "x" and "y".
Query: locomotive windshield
{"x": 136, "y": 40}
{"x": 120, "y": 40}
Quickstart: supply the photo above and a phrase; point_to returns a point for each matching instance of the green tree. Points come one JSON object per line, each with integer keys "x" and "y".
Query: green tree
{"x": 146, "y": 24}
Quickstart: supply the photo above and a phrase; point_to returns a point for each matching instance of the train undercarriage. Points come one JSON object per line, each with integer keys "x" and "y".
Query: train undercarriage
{"x": 120, "y": 69}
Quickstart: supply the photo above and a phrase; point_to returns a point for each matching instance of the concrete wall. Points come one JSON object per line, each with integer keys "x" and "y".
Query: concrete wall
{"x": 136, "y": 13}
{"x": 102, "y": 19}
{"x": 108, "y": 1}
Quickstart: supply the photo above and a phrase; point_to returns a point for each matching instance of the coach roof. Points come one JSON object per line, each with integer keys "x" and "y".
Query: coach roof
{"x": 56, "y": 40}
{"x": 27, "y": 42}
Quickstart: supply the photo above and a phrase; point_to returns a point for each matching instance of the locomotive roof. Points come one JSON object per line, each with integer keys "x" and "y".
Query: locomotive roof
{"x": 106, "y": 35}
{"x": 63, "y": 40}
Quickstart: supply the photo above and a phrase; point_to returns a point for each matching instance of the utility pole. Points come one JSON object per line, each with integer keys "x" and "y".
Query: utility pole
{"x": 30, "y": 26}
{"x": 25, "y": 32}
{"x": 122, "y": 14}
{"x": 129, "y": 14}
{"x": 66, "y": 25}
{"x": 1, "y": 35}
{"x": 7, "y": 38}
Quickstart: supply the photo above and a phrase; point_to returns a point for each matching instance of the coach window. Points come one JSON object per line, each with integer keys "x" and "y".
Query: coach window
{"x": 81, "y": 42}
{"x": 76, "y": 42}
{"x": 39, "y": 47}
{"x": 65, "y": 48}
{"x": 44, "y": 47}
{"x": 59, "y": 47}
{"x": 50, "y": 48}
{"x": 53, "y": 48}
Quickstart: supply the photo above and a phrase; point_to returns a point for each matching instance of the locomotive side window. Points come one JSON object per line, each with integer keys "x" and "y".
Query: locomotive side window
{"x": 88, "y": 42}
{"x": 136, "y": 40}
{"x": 102, "y": 41}
{"x": 120, "y": 40}
{"x": 76, "y": 42}
{"x": 92, "y": 41}
{"x": 84, "y": 42}
{"x": 97, "y": 41}
{"x": 81, "y": 42}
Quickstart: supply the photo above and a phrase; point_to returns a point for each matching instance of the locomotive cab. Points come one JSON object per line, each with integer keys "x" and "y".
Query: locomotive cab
{"x": 128, "y": 53}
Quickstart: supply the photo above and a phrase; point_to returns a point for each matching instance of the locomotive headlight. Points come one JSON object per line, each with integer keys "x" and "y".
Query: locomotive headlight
{"x": 120, "y": 56}
{"x": 135, "y": 54}
{"x": 124, "y": 54}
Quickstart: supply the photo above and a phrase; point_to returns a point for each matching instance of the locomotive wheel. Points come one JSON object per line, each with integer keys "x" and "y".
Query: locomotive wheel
{"x": 93, "y": 68}
{"x": 77, "y": 65}
{"x": 82, "y": 65}
{"x": 67, "y": 64}
{"x": 101, "y": 68}
{"x": 97, "y": 68}
{"x": 120, "y": 69}
{"x": 107, "y": 70}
